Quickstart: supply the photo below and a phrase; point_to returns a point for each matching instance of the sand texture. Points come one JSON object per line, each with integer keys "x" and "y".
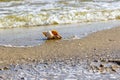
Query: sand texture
{"x": 104, "y": 44}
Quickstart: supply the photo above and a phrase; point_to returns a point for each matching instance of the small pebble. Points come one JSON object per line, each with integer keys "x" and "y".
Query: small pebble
{"x": 5, "y": 68}
{"x": 22, "y": 78}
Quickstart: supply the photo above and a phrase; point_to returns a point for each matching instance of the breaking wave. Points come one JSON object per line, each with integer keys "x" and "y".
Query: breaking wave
{"x": 38, "y": 12}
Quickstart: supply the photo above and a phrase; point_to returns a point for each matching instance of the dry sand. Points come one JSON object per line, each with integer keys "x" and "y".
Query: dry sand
{"x": 103, "y": 44}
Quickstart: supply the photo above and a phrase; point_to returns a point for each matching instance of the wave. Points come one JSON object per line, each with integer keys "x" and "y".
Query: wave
{"x": 67, "y": 17}
{"x": 39, "y": 12}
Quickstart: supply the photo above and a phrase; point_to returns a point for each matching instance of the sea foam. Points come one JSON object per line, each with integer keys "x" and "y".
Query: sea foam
{"x": 36, "y": 13}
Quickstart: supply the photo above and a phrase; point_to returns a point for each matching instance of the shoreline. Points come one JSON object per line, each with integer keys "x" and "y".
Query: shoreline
{"x": 30, "y": 37}
{"x": 103, "y": 44}
{"x": 94, "y": 57}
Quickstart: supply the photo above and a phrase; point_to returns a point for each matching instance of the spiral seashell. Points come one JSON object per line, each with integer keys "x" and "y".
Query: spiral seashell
{"x": 53, "y": 34}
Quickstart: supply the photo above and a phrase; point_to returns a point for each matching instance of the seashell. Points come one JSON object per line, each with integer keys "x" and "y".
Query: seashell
{"x": 53, "y": 34}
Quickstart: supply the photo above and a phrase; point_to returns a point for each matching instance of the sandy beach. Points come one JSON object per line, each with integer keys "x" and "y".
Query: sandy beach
{"x": 86, "y": 58}
{"x": 103, "y": 44}
{"x": 89, "y": 48}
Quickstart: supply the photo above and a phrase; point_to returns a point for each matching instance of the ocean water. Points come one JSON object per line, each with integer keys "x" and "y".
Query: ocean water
{"x": 80, "y": 18}
{"x": 30, "y": 37}
{"x": 57, "y": 70}
{"x": 23, "y": 21}
{"x": 29, "y": 13}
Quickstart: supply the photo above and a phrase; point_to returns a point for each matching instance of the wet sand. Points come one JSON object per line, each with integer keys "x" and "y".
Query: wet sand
{"x": 94, "y": 57}
{"x": 103, "y": 44}
{"x": 19, "y": 37}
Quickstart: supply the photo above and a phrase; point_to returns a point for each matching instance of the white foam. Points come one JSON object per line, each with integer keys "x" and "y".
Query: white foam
{"x": 57, "y": 70}
{"x": 29, "y": 13}
{"x": 9, "y": 45}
